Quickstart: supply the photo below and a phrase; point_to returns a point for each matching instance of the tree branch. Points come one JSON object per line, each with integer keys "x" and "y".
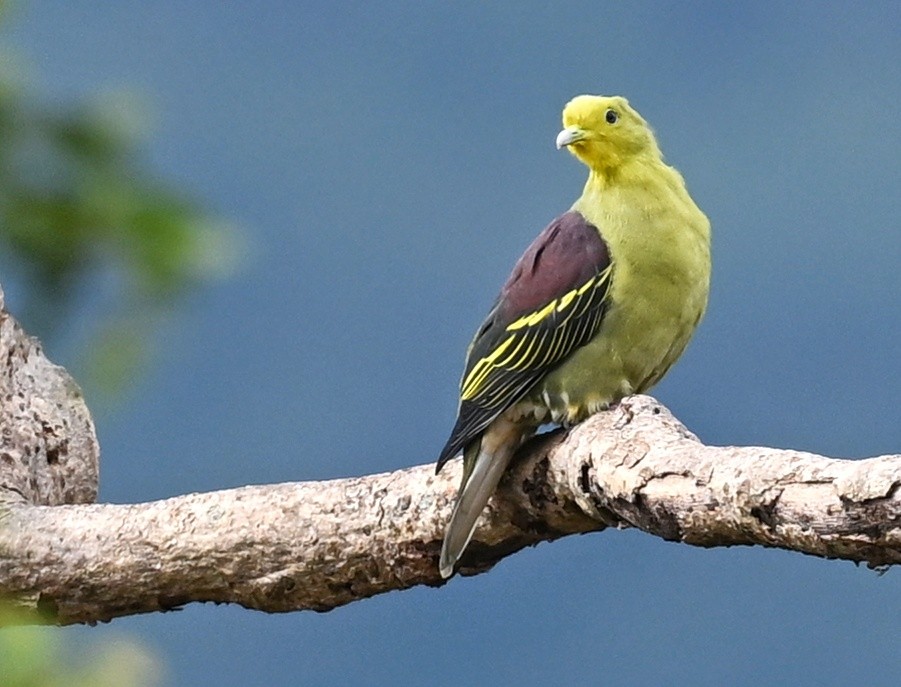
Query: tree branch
{"x": 319, "y": 545}
{"x": 48, "y": 448}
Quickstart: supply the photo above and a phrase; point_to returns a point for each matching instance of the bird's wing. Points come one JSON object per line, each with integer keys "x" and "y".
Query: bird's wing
{"x": 551, "y": 305}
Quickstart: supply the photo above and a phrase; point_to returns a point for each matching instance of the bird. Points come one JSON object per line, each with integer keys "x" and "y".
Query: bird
{"x": 599, "y": 307}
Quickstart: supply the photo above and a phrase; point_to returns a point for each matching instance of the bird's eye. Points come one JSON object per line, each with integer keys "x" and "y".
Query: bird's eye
{"x": 611, "y": 116}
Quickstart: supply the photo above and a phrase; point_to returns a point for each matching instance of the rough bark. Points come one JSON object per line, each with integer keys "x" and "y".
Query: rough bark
{"x": 319, "y": 545}
{"x": 48, "y": 450}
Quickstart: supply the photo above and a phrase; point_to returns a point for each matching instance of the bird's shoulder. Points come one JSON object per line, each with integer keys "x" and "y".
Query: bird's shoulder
{"x": 568, "y": 253}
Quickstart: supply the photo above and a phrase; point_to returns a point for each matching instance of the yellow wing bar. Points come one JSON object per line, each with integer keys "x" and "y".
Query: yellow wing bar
{"x": 537, "y": 341}
{"x": 558, "y": 305}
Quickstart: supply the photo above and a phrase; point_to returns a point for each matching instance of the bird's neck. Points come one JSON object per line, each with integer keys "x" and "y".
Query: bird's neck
{"x": 620, "y": 172}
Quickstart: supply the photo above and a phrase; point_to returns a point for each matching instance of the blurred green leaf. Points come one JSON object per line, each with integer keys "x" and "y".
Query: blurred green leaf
{"x": 35, "y": 657}
{"x": 78, "y": 208}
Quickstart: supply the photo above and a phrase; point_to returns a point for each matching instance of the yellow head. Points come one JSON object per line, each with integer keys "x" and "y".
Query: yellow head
{"x": 604, "y": 132}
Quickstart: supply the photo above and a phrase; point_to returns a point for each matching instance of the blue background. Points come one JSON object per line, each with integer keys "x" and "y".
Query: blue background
{"x": 387, "y": 163}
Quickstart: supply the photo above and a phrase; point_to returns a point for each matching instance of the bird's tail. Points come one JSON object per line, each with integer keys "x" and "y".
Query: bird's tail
{"x": 479, "y": 484}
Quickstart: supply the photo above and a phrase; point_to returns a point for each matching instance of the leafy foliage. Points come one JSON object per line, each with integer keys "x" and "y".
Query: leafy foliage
{"x": 86, "y": 233}
{"x": 34, "y": 657}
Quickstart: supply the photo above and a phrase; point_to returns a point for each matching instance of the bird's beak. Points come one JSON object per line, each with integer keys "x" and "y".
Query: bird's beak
{"x": 569, "y": 135}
